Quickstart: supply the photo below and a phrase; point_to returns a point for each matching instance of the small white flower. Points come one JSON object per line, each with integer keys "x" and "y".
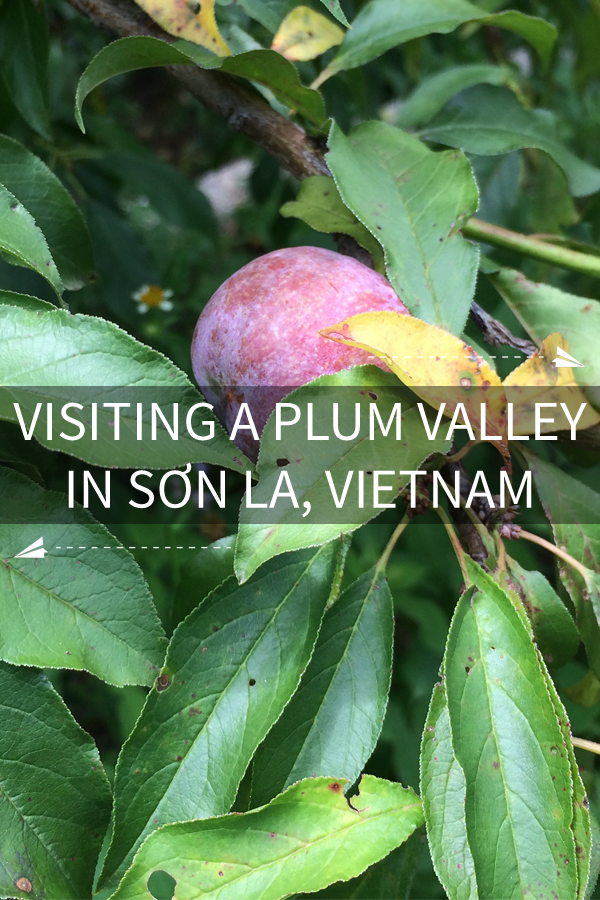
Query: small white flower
{"x": 152, "y": 296}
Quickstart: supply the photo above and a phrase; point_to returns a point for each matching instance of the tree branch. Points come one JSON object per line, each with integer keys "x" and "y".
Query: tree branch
{"x": 497, "y": 334}
{"x": 242, "y": 108}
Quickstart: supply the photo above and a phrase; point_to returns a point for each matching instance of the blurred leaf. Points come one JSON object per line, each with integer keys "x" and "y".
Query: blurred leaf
{"x": 190, "y": 20}
{"x": 331, "y": 724}
{"x": 303, "y": 840}
{"x": 490, "y": 120}
{"x": 168, "y": 191}
{"x": 430, "y": 265}
{"x": 200, "y": 575}
{"x": 23, "y": 242}
{"x": 508, "y": 741}
{"x": 24, "y": 60}
{"x": 550, "y": 205}
{"x": 433, "y": 93}
{"x": 574, "y": 512}
{"x": 543, "y": 309}
{"x": 68, "y": 611}
{"x": 55, "y": 803}
{"x": 232, "y": 666}
{"x": 53, "y": 209}
{"x": 262, "y": 536}
{"x": 34, "y": 347}
{"x": 586, "y": 692}
{"x": 266, "y": 67}
{"x": 305, "y": 34}
{"x": 268, "y": 12}
{"x": 554, "y": 630}
{"x": 383, "y": 24}
{"x": 319, "y": 205}
{"x": 443, "y": 791}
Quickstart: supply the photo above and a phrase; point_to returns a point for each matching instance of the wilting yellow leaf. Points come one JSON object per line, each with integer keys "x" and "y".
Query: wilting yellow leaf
{"x": 538, "y": 380}
{"x": 430, "y": 360}
{"x": 190, "y": 20}
{"x": 305, "y": 34}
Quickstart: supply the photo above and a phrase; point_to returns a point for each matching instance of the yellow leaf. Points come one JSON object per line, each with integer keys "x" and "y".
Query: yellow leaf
{"x": 190, "y": 20}
{"x": 430, "y": 361}
{"x": 305, "y": 34}
{"x": 538, "y": 380}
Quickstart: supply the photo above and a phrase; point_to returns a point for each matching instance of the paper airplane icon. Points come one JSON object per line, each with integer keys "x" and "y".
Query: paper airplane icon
{"x": 564, "y": 360}
{"x": 34, "y": 551}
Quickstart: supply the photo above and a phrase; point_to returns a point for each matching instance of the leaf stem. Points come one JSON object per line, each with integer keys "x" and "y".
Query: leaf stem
{"x": 454, "y": 540}
{"x": 562, "y": 554}
{"x": 532, "y": 246}
{"x": 586, "y": 745}
{"x": 385, "y": 556}
{"x": 463, "y": 452}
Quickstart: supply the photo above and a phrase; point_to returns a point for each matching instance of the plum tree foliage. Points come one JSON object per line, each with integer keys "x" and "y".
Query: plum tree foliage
{"x": 387, "y": 201}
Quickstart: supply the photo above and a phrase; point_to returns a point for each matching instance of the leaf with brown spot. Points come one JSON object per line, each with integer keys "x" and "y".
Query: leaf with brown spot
{"x": 191, "y": 20}
{"x": 305, "y": 34}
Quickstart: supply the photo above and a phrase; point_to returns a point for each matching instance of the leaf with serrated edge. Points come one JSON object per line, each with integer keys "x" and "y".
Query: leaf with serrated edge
{"x": 54, "y": 211}
{"x": 383, "y": 24}
{"x": 319, "y": 205}
{"x": 258, "y": 540}
{"x": 55, "y": 799}
{"x": 332, "y": 722}
{"x": 443, "y": 792}
{"x": 413, "y": 202}
{"x": 23, "y": 242}
{"x": 80, "y": 607}
{"x": 266, "y": 67}
{"x": 33, "y": 351}
{"x": 233, "y": 665}
{"x": 508, "y": 741}
{"x": 303, "y": 840}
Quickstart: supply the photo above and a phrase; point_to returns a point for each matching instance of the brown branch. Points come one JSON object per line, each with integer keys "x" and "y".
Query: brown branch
{"x": 242, "y": 108}
{"x": 497, "y": 334}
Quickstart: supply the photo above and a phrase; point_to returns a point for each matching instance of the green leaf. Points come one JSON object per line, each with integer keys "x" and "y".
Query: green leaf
{"x": 443, "y": 791}
{"x": 35, "y": 345}
{"x": 23, "y": 242}
{"x": 490, "y": 120}
{"x": 305, "y": 839}
{"x": 231, "y": 667}
{"x": 586, "y": 692}
{"x": 574, "y": 512}
{"x": 53, "y": 209}
{"x": 270, "y": 13}
{"x": 24, "y": 60}
{"x": 383, "y": 24}
{"x": 595, "y": 858}
{"x": 331, "y": 725}
{"x": 24, "y": 301}
{"x": 205, "y": 571}
{"x": 554, "y": 630}
{"x": 55, "y": 799}
{"x": 413, "y": 201}
{"x": 266, "y": 67}
{"x": 389, "y": 879}
{"x": 508, "y": 741}
{"x": 319, "y": 205}
{"x": 433, "y": 93}
{"x": 86, "y": 605}
{"x": 266, "y": 533}
{"x": 336, "y": 10}
{"x": 543, "y": 309}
